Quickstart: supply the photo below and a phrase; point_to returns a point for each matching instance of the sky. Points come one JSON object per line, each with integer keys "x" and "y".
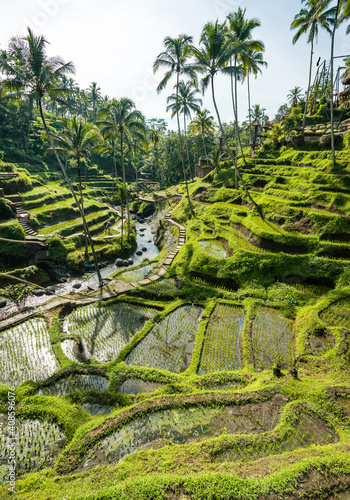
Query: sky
{"x": 115, "y": 43}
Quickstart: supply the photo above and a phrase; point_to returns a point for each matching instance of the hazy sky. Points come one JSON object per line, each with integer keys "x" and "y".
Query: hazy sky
{"x": 115, "y": 42}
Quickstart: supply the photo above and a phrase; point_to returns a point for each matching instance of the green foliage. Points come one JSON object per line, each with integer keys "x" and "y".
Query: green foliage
{"x": 56, "y": 248}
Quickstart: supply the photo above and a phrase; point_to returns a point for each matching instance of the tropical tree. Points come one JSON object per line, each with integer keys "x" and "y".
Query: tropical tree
{"x": 184, "y": 102}
{"x": 295, "y": 96}
{"x": 77, "y": 139}
{"x": 216, "y": 157}
{"x": 203, "y": 124}
{"x": 244, "y": 56}
{"x": 122, "y": 196}
{"x": 212, "y": 56}
{"x": 176, "y": 60}
{"x": 94, "y": 98}
{"x": 29, "y": 71}
{"x": 128, "y": 123}
{"x": 252, "y": 65}
{"x": 307, "y": 22}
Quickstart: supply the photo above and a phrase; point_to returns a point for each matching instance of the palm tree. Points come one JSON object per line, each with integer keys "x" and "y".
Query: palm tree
{"x": 122, "y": 197}
{"x": 109, "y": 129}
{"x": 294, "y": 96}
{"x": 94, "y": 97}
{"x": 77, "y": 139}
{"x": 202, "y": 124}
{"x": 31, "y": 72}
{"x": 183, "y": 102}
{"x": 212, "y": 57}
{"x": 308, "y": 21}
{"x": 252, "y": 65}
{"x": 216, "y": 157}
{"x": 175, "y": 59}
{"x": 244, "y": 48}
{"x": 129, "y": 123}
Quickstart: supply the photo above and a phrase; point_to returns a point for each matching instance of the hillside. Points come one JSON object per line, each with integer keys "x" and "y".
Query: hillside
{"x": 219, "y": 370}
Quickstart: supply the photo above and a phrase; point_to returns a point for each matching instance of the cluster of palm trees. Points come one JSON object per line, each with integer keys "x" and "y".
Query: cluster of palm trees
{"x": 228, "y": 48}
{"x": 316, "y": 14}
{"x": 30, "y": 73}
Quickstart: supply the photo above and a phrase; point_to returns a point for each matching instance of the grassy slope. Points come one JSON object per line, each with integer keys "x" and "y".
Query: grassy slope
{"x": 305, "y": 234}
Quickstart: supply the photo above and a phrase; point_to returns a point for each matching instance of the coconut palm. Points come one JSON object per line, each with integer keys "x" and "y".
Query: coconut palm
{"x": 77, "y": 139}
{"x": 29, "y": 71}
{"x": 295, "y": 96}
{"x": 252, "y": 65}
{"x": 308, "y": 21}
{"x": 244, "y": 49}
{"x": 183, "y": 102}
{"x": 94, "y": 97}
{"x": 122, "y": 197}
{"x": 212, "y": 56}
{"x": 203, "y": 124}
{"x": 176, "y": 60}
{"x": 128, "y": 122}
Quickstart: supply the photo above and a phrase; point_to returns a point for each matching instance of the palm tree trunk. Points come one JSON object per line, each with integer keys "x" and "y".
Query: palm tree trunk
{"x": 86, "y": 229}
{"x": 236, "y": 143}
{"x": 82, "y": 206}
{"x": 188, "y": 154}
{"x": 122, "y": 228}
{"x": 181, "y": 148}
{"x": 115, "y": 168}
{"x": 332, "y": 83}
{"x": 236, "y": 118}
{"x": 124, "y": 182}
{"x": 229, "y": 151}
{"x": 203, "y": 138}
{"x": 309, "y": 85}
{"x": 249, "y": 108}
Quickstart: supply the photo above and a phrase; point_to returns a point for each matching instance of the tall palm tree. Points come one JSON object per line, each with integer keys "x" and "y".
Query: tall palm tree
{"x": 31, "y": 72}
{"x": 77, "y": 139}
{"x": 203, "y": 124}
{"x": 175, "y": 59}
{"x": 308, "y": 21}
{"x": 212, "y": 56}
{"x": 252, "y": 65}
{"x": 183, "y": 102}
{"x": 94, "y": 98}
{"x": 128, "y": 122}
{"x": 239, "y": 34}
{"x": 294, "y": 96}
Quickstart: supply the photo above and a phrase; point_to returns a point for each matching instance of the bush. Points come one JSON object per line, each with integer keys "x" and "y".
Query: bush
{"x": 6, "y": 211}
{"x": 57, "y": 248}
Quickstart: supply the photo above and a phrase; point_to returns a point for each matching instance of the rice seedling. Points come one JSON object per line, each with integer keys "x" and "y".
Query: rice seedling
{"x": 221, "y": 345}
{"x": 74, "y": 383}
{"x": 37, "y": 443}
{"x": 136, "y": 274}
{"x": 26, "y": 353}
{"x": 272, "y": 340}
{"x": 338, "y": 314}
{"x": 166, "y": 346}
{"x": 97, "y": 409}
{"x": 105, "y": 330}
{"x": 132, "y": 386}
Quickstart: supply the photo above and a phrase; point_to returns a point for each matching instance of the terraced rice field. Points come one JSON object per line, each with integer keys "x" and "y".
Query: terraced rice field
{"x": 185, "y": 425}
{"x": 137, "y": 274}
{"x": 105, "y": 330}
{"x": 169, "y": 344}
{"x": 135, "y": 386}
{"x": 163, "y": 286}
{"x": 213, "y": 248}
{"x": 272, "y": 340}
{"x": 26, "y": 353}
{"x": 338, "y": 314}
{"x": 75, "y": 383}
{"x": 37, "y": 444}
{"x": 221, "y": 349}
